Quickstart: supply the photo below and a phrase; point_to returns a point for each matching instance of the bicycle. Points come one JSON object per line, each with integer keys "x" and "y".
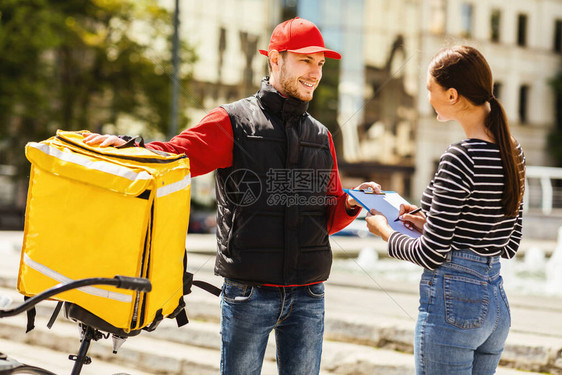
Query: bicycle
{"x": 9, "y": 366}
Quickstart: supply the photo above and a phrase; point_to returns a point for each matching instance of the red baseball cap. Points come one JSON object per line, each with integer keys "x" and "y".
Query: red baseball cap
{"x": 298, "y": 35}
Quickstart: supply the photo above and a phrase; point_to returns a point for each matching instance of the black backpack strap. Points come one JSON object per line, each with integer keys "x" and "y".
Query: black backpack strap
{"x": 181, "y": 318}
{"x": 180, "y": 314}
{"x": 31, "y": 314}
{"x": 131, "y": 141}
{"x": 208, "y": 287}
{"x": 188, "y": 282}
{"x": 55, "y": 315}
{"x": 157, "y": 320}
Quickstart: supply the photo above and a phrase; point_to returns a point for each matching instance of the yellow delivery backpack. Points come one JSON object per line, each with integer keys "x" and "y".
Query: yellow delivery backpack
{"x": 101, "y": 212}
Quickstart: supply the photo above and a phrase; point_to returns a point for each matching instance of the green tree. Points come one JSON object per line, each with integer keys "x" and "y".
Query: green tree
{"x": 82, "y": 64}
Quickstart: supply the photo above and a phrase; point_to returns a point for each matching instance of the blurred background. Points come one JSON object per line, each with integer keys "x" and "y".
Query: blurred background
{"x": 109, "y": 66}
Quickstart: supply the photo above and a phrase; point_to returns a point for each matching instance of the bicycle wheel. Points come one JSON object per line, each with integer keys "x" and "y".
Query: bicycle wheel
{"x": 27, "y": 370}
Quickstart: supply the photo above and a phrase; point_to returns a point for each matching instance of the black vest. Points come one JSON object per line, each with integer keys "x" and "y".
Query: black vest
{"x": 272, "y": 202}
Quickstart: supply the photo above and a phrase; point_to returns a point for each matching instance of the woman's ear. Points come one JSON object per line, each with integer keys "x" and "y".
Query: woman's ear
{"x": 453, "y": 95}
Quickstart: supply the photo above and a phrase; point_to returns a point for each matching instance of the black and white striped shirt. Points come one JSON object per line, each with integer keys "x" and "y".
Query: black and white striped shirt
{"x": 463, "y": 208}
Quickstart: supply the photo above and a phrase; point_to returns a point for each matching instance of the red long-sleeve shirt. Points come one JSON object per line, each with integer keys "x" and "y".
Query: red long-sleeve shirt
{"x": 209, "y": 146}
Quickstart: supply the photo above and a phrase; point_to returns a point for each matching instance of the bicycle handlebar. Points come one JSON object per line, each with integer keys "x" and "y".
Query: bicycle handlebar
{"x": 123, "y": 282}
{"x": 134, "y": 283}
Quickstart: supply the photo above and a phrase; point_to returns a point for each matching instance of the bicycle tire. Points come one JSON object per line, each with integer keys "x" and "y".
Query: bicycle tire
{"x": 27, "y": 370}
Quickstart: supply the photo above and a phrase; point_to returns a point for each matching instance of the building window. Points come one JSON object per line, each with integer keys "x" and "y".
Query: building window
{"x": 523, "y": 99}
{"x": 497, "y": 90}
{"x": 495, "y": 21}
{"x": 558, "y": 36}
{"x": 466, "y": 20}
{"x": 437, "y": 16}
{"x": 522, "y": 30}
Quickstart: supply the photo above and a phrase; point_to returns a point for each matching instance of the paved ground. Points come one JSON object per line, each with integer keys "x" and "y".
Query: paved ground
{"x": 369, "y": 326}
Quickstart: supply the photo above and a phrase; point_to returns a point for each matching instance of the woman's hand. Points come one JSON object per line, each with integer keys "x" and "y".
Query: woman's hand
{"x": 371, "y": 185}
{"x": 413, "y": 222}
{"x": 378, "y": 225}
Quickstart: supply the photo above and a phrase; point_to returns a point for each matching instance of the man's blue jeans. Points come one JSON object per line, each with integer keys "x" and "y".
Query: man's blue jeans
{"x": 464, "y": 317}
{"x": 249, "y": 314}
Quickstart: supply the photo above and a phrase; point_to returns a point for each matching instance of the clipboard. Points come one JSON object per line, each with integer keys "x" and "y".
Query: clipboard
{"x": 388, "y": 203}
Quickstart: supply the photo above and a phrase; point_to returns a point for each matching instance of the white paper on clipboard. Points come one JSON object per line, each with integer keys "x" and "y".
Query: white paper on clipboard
{"x": 388, "y": 204}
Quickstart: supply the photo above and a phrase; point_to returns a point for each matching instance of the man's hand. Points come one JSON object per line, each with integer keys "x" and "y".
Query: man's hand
{"x": 106, "y": 140}
{"x": 371, "y": 185}
{"x": 378, "y": 225}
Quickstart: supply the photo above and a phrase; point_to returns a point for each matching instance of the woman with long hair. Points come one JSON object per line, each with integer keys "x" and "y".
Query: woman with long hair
{"x": 471, "y": 216}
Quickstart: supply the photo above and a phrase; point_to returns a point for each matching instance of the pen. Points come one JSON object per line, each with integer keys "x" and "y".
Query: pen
{"x": 411, "y": 213}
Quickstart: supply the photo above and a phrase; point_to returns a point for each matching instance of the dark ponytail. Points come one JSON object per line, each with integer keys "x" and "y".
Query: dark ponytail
{"x": 466, "y": 70}
{"x": 514, "y": 171}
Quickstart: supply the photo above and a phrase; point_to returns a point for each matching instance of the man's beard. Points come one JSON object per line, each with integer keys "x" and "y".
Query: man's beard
{"x": 290, "y": 87}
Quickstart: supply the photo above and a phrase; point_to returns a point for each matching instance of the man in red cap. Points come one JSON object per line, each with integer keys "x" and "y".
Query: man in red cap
{"x": 279, "y": 197}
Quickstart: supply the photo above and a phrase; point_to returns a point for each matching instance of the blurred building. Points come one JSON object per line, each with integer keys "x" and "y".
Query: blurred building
{"x": 387, "y": 129}
{"x": 390, "y": 131}
{"x": 522, "y": 41}
{"x": 378, "y": 88}
{"x": 226, "y": 36}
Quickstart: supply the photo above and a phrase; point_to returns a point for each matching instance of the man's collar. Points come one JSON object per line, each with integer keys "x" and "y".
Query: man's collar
{"x": 286, "y": 107}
